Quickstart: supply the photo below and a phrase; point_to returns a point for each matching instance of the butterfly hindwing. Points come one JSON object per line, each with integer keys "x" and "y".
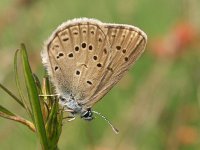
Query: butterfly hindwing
{"x": 127, "y": 44}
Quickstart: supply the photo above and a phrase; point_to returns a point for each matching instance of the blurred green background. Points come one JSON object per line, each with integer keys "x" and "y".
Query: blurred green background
{"x": 156, "y": 106}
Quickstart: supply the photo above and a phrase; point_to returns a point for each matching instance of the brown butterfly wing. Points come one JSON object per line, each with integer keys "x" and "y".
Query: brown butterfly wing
{"x": 78, "y": 52}
{"x": 127, "y": 43}
{"x": 85, "y": 58}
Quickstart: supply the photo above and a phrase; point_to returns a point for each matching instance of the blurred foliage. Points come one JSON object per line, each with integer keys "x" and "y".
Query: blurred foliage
{"x": 155, "y": 106}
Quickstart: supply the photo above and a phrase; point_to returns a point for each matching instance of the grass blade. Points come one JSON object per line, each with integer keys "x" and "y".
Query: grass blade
{"x": 5, "y": 113}
{"x": 12, "y": 95}
{"x": 34, "y": 99}
{"x": 19, "y": 86}
{"x": 37, "y": 82}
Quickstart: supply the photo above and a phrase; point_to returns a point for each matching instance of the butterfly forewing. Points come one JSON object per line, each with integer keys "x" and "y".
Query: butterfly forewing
{"x": 78, "y": 54}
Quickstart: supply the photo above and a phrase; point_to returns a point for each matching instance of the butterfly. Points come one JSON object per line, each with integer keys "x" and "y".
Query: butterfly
{"x": 85, "y": 58}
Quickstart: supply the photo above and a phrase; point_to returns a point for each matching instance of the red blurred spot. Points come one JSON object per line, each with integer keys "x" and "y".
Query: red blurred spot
{"x": 176, "y": 41}
{"x": 187, "y": 135}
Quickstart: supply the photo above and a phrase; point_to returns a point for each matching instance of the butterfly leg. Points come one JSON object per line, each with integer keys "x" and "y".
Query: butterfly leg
{"x": 50, "y": 95}
{"x": 71, "y": 118}
{"x": 69, "y": 110}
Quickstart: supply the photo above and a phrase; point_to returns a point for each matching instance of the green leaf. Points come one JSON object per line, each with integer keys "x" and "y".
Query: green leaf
{"x": 19, "y": 86}
{"x": 12, "y": 95}
{"x": 6, "y": 111}
{"x": 34, "y": 99}
{"x": 37, "y": 81}
{"x": 54, "y": 124}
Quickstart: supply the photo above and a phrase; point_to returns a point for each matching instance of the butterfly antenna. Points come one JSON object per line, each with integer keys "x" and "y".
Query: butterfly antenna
{"x": 113, "y": 128}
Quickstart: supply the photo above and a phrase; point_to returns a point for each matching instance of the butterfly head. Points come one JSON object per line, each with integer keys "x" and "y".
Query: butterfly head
{"x": 87, "y": 114}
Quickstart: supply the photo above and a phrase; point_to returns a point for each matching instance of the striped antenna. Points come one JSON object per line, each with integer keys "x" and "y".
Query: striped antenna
{"x": 113, "y": 128}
